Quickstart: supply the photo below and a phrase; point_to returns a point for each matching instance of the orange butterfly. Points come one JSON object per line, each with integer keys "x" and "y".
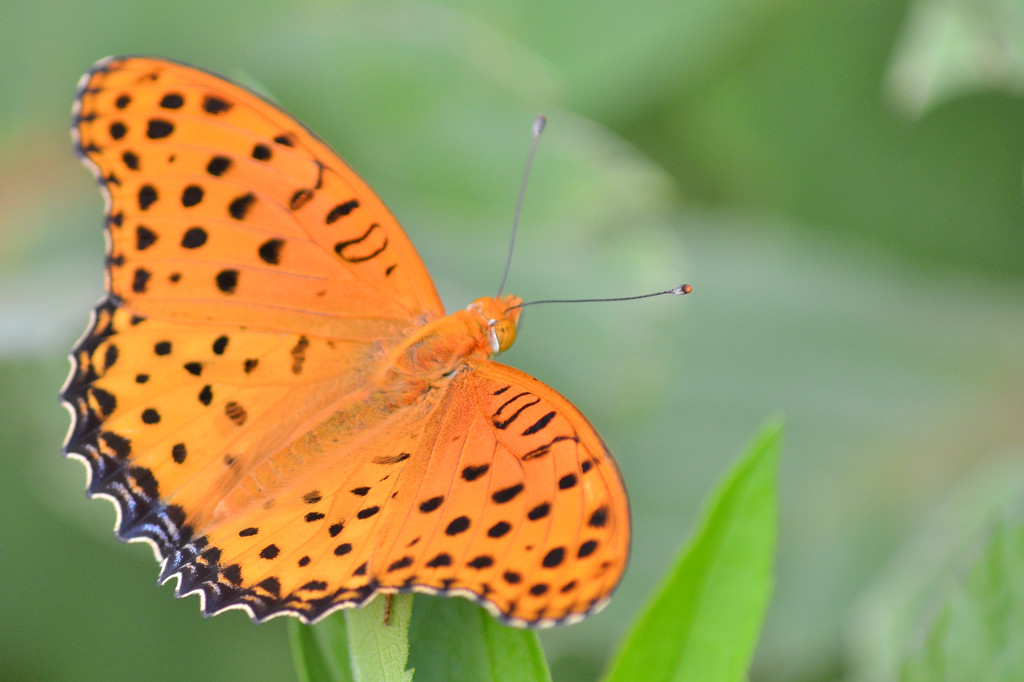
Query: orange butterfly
{"x": 272, "y": 395}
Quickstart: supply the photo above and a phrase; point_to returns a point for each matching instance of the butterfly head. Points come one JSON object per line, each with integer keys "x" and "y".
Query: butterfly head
{"x": 499, "y": 317}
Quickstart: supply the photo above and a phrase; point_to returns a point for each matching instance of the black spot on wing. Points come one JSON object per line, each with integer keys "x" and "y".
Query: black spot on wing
{"x": 539, "y": 512}
{"x": 507, "y": 494}
{"x": 191, "y": 196}
{"x": 270, "y": 251}
{"x": 140, "y": 280}
{"x": 367, "y": 512}
{"x": 215, "y": 105}
{"x": 554, "y": 558}
{"x": 218, "y": 165}
{"x": 539, "y": 424}
{"x": 341, "y": 210}
{"x": 144, "y": 237}
{"x": 481, "y": 562}
{"x": 240, "y": 206}
{"x": 193, "y": 238}
{"x": 227, "y": 280}
{"x": 147, "y": 196}
{"x": 431, "y": 504}
{"x": 471, "y": 473}
{"x": 300, "y": 198}
{"x": 440, "y": 561}
{"x": 159, "y": 128}
{"x": 498, "y": 530}
{"x": 235, "y": 413}
{"x": 172, "y": 100}
{"x": 458, "y": 525}
{"x": 179, "y": 452}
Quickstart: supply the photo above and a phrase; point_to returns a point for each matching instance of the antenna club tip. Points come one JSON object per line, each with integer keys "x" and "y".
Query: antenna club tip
{"x": 681, "y": 289}
{"x": 539, "y": 123}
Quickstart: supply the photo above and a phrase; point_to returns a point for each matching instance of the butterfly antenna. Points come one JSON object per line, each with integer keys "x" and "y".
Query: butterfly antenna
{"x": 538, "y": 127}
{"x": 680, "y": 290}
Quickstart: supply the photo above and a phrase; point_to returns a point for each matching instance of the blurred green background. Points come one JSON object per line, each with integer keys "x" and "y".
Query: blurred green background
{"x": 840, "y": 182}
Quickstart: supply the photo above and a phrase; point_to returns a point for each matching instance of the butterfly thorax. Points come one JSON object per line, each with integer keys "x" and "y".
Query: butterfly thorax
{"x": 440, "y": 348}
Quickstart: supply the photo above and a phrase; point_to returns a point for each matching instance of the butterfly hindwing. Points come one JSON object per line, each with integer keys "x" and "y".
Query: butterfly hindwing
{"x": 499, "y": 489}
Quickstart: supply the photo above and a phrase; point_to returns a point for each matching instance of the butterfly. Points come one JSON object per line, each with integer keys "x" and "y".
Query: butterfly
{"x": 273, "y": 397}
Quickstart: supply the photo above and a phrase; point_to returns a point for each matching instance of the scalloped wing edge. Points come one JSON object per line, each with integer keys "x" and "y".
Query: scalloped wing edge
{"x": 179, "y": 554}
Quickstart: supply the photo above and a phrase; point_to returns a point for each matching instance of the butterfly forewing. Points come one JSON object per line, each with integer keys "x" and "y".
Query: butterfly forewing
{"x": 223, "y": 208}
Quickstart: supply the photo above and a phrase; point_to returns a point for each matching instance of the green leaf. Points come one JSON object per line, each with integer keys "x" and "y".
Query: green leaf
{"x": 704, "y": 622}
{"x": 900, "y": 603}
{"x": 979, "y": 634}
{"x": 356, "y": 644}
{"x": 949, "y": 48}
{"x": 454, "y": 639}
{"x": 380, "y": 651}
{"x": 320, "y": 652}
{"x": 447, "y": 638}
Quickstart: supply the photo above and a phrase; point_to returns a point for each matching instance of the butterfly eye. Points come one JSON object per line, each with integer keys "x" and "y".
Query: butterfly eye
{"x": 502, "y": 334}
